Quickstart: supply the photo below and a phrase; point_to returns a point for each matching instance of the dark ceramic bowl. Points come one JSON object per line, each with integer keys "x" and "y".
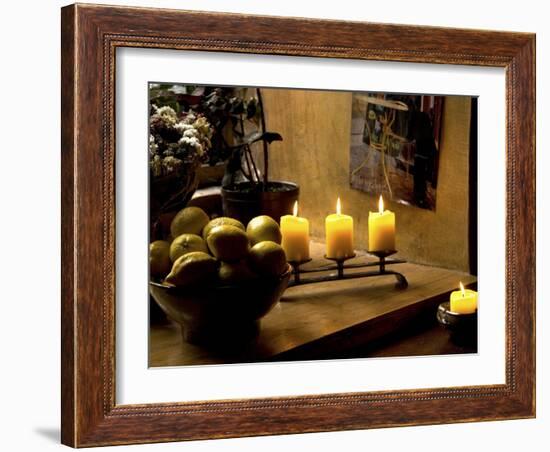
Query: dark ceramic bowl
{"x": 463, "y": 327}
{"x": 220, "y": 315}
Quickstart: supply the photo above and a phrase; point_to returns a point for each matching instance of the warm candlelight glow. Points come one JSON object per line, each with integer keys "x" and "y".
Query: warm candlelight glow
{"x": 463, "y": 301}
{"x": 295, "y": 232}
{"x": 339, "y": 234}
{"x": 381, "y": 229}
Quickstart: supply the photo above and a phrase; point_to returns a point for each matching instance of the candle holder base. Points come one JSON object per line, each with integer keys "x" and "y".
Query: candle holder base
{"x": 462, "y": 327}
{"x": 341, "y": 268}
{"x": 296, "y": 270}
{"x": 340, "y": 263}
{"x": 382, "y": 254}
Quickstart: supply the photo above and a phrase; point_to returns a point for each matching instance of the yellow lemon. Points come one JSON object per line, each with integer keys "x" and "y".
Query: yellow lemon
{"x": 190, "y": 220}
{"x": 235, "y": 272}
{"x": 192, "y": 268}
{"x": 268, "y": 258}
{"x": 263, "y": 228}
{"x": 228, "y": 243}
{"x": 159, "y": 258}
{"x": 186, "y": 243}
{"x": 220, "y": 221}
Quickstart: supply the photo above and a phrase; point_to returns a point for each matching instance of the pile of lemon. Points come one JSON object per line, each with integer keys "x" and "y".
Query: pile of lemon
{"x": 220, "y": 250}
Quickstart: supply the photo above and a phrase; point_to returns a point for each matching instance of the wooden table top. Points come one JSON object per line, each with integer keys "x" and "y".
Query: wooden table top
{"x": 319, "y": 320}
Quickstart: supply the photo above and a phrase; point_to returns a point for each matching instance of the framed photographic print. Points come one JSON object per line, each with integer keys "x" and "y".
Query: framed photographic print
{"x": 282, "y": 225}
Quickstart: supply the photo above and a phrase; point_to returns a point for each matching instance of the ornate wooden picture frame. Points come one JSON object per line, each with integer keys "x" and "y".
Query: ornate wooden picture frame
{"x": 90, "y": 37}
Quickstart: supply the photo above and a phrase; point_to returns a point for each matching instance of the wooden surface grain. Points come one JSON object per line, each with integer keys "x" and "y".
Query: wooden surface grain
{"x": 322, "y": 319}
{"x": 91, "y": 35}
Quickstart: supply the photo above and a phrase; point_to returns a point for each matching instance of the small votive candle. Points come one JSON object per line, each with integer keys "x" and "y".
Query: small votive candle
{"x": 464, "y": 301}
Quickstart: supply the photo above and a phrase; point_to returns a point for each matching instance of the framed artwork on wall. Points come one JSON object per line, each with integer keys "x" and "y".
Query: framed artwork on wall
{"x": 257, "y": 210}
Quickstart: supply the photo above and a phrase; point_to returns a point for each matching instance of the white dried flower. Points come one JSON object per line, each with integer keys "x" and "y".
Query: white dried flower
{"x": 171, "y": 164}
{"x": 153, "y": 146}
{"x": 156, "y": 166}
{"x": 182, "y": 127}
{"x": 167, "y": 115}
{"x": 195, "y": 132}
{"x": 183, "y": 140}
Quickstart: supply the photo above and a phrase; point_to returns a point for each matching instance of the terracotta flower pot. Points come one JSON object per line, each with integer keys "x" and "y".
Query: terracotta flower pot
{"x": 243, "y": 202}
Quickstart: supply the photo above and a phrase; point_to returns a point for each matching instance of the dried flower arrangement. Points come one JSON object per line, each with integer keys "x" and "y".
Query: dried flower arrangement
{"x": 178, "y": 144}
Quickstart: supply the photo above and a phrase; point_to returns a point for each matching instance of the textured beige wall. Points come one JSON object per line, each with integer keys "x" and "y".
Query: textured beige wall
{"x": 315, "y": 127}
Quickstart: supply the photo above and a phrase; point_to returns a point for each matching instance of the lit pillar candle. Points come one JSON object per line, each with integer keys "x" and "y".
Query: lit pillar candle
{"x": 464, "y": 301}
{"x": 339, "y": 234}
{"x": 295, "y": 232}
{"x": 381, "y": 229}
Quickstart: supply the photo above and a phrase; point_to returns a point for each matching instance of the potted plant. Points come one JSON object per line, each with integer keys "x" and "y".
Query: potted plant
{"x": 185, "y": 98}
{"x": 178, "y": 144}
{"x": 247, "y": 190}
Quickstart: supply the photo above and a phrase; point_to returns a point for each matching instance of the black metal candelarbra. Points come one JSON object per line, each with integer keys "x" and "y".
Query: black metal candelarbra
{"x": 338, "y": 271}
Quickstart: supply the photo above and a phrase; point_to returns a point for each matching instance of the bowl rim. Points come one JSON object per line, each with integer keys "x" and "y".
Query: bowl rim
{"x": 171, "y": 288}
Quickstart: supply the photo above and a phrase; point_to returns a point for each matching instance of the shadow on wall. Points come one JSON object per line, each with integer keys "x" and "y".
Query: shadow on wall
{"x": 315, "y": 154}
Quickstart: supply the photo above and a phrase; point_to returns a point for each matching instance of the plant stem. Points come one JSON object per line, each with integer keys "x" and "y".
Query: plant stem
{"x": 247, "y": 173}
{"x": 253, "y": 177}
{"x": 244, "y": 154}
{"x": 248, "y": 152}
{"x": 250, "y": 163}
{"x": 266, "y": 153}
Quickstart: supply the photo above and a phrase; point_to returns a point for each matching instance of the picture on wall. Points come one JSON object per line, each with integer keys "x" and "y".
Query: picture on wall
{"x": 394, "y": 146}
{"x": 269, "y": 240}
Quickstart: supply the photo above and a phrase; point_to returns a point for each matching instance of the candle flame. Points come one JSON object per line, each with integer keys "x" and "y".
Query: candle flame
{"x": 338, "y": 206}
{"x": 295, "y": 210}
{"x": 462, "y": 289}
{"x": 381, "y": 205}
